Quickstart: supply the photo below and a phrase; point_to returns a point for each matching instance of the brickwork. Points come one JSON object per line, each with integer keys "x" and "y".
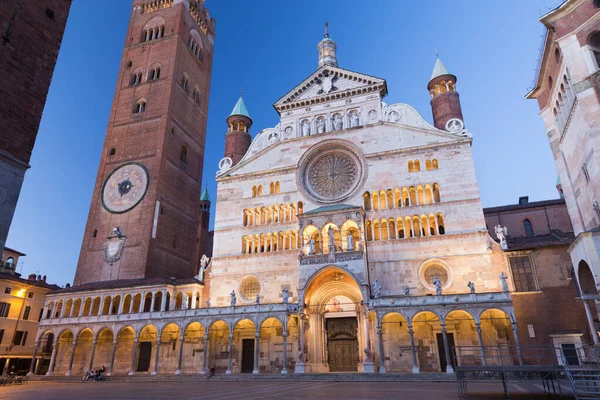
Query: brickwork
{"x": 30, "y": 36}
{"x": 174, "y": 118}
{"x": 445, "y": 105}
{"x": 237, "y": 142}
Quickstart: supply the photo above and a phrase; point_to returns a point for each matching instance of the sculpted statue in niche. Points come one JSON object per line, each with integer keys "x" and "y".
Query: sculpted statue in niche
{"x": 331, "y": 234}
{"x": 349, "y": 242}
{"x": 503, "y": 279}
{"x": 286, "y": 295}
{"x": 289, "y": 130}
{"x": 311, "y": 246}
{"x": 337, "y": 122}
{"x": 372, "y": 115}
{"x": 354, "y": 119}
{"x": 233, "y": 298}
{"x": 394, "y": 116}
{"x": 320, "y": 125}
{"x": 377, "y": 289}
{"x": 185, "y": 303}
{"x": 305, "y": 128}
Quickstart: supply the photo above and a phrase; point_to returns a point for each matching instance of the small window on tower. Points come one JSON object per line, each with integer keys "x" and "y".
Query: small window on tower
{"x": 112, "y": 152}
{"x": 528, "y": 228}
{"x": 185, "y": 83}
{"x": 183, "y": 154}
{"x": 140, "y": 107}
{"x": 95, "y": 233}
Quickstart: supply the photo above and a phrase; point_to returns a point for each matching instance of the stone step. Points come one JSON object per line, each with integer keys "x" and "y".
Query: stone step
{"x": 335, "y": 377}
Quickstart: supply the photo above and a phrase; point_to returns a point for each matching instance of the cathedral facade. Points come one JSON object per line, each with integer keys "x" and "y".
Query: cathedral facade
{"x": 349, "y": 237}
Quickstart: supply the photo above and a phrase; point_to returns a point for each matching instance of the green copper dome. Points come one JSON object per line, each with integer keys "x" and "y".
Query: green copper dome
{"x": 240, "y": 109}
{"x": 205, "y": 196}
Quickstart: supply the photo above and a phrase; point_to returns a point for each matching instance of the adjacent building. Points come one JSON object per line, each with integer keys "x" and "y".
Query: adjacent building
{"x": 21, "y": 307}
{"x": 567, "y": 89}
{"x": 30, "y": 36}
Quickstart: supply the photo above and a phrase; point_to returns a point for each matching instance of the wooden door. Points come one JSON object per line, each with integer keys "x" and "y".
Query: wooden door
{"x": 247, "y": 355}
{"x": 144, "y": 358}
{"x": 342, "y": 344}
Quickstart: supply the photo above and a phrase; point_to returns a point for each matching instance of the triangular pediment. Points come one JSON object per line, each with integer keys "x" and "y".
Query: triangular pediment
{"x": 328, "y": 83}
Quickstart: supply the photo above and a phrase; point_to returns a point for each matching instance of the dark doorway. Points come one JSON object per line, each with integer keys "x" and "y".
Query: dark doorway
{"x": 247, "y": 355}
{"x": 570, "y": 354}
{"x": 342, "y": 344}
{"x": 144, "y": 360}
{"x": 442, "y": 351}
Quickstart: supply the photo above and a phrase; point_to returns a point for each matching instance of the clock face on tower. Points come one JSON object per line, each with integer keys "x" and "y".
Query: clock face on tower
{"x": 125, "y": 187}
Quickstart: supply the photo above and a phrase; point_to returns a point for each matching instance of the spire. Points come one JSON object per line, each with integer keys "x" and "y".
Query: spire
{"x": 240, "y": 108}
{"x": 327, "y": 50}
{"x": 205, "y": 196}
{"x": 439, "y": 69}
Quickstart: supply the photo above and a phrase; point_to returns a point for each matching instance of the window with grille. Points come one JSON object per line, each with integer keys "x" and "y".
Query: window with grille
{"x": 523, "y": 274}
{"x": 249, "y": 288}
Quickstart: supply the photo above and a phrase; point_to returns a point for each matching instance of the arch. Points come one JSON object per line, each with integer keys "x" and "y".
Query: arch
{"x": 76, "y": 308}
{"x": 154, "y": 29}
{"x": 436, "y": 193}
{"x": 400, "y": 227}
{"x": 116, "y": 302}
{"x": 394, "y": 331}
{"x": 392, "y": 228}
{"x": 434, "y": 163}
{"x": 528, "y": 228}
{"x": 424, "y": 226}
{"x": 593, "y": 41}
{"x": 193, "y": 344}
{"x": 382, "y": 200}
{"x": 496, "y": 331}
{"x": 326, "y": 243}
{"x": 425, "y": 325}
{"x": 271, "y": 342}
{"x": 278, "y": 188}
{"x": 154, "y": 72}
{"x": 369, "y": 229}
{"x": 124, "y": 351}
{"x": 104, "y": 347}
{"x": 185, "y": 82}
{"x": 196, "y": 95}
{"x": 367, "y": 201}
{"x": 427, "y": 165}
{"x": 384, "y": 230}
{"x": 390, "y": 198}
{"x": 195, "y": 44}
{"x": 376, "y": 230}
{"x": 440, "y": 222}
{"x": 140, "y": 106}
{"x": 420, "y": 194}
{"x": 219, "y": 337}
{"x": 432, "y": 225}
{"x": 96, "y": 306}
{"x": 585, "y": 278}
{"x": 137, "y": 303}
{"x": 375, "y": 200}
{"x": 183, "y": 154}
{"x": 413, "y": 195}
{"x": 408, "y": 227}
{"x": 169, "y": 348}
{"x": 416, "y": 225}
{"x": 68, "y": 308}
{"x": 397, "y": 197}
{"x": 147, "y": 306}
{"x": 106, "y": 305}
{"x": 411, "y": 166}
{"x": 158, "y": 296}
{"x": 136, "y": 77}
{"x": 127, "y": 299}
{"x": 428, "y": 194}
{"x": 321, "y": 287}
{"x": 405, "y": 197}
{"x": 417, "y": 166}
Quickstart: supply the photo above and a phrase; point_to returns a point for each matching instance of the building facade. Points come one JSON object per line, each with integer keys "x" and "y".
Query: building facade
{"x": 22, "y": 304}
{"x": 539, "y": 235}
{"x": 567, "y": 89}
{"x": 31, "y": 33}
{"x": 349, "y": 237}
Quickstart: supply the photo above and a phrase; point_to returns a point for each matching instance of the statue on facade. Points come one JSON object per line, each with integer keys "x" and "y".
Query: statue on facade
{"x": 186, "y": 302}
{"x": 331, "y": 234}
{"x": 337, "y": 122}
{"x": 257, "y": 298}
{"x": 376, "y": 289}
{"x": 349, "y": 242}
{"x": 501, "y": 233}
{"x": 354, "y": 119}
{"x": 233, "y": 299}
{"x": 438, "y": 285}
{"x": 305, "y": 128}
{"x": 286, "y": 295}
{"x": 204, "y": 262}
{"x": 503, "y": 282}
{"x": 320, "y": 126}
{"x": 311, "y": 246}
{"x": 406, "y": 290}
{"x": 368, "y": 356}
{"x": 471, "y": 286}
{"x": 208, "y": 303}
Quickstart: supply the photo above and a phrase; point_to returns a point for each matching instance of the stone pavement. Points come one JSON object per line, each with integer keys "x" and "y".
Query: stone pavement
{"x": 281, "y": 390}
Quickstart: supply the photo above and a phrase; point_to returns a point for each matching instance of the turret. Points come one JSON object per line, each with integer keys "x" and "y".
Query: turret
{"x": 445, "y": 101}
{"x": 238, "y": 139}
{"x": 203, "y": 245}
{"x": 327, "y": 50}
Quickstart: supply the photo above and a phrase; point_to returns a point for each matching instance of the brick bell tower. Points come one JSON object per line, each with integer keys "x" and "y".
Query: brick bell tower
{"x": 146, "y": 208}
{"x": 238, "y": 139}
{"x": 445, "y": 101}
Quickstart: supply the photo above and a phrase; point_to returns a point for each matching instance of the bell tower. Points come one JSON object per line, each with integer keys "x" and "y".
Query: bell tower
{"x": 144, "y": 214}
{"x": 238, "y": 139}
{"x": 445, "y": 101}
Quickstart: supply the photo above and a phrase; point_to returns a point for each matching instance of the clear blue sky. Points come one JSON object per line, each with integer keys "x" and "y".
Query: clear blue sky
{"x": 267, "y": 47}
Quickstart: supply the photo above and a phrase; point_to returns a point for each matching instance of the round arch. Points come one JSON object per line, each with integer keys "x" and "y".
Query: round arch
{"x": 585, "y": 278}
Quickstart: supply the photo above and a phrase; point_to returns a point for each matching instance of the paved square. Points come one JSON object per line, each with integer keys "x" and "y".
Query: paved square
{"x": 288, "y": 390}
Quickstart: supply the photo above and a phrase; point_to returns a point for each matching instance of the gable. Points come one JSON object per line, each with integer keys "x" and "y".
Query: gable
{"x": 328, "y": 83}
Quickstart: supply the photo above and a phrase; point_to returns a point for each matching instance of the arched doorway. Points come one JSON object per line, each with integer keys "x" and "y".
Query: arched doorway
{"x": 336, "y": 329}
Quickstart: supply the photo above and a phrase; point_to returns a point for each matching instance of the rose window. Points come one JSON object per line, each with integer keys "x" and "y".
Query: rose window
{"x": 249, "y": 288}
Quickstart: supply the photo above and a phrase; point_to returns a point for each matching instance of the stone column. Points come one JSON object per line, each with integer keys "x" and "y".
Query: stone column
{"x": 136, "y": 341}
{"x": 69, "y": 371}
{"x": 152, "y": 302}
{"x": 53, "y": 358}
{"x": 382, "y": 369}
{"x": 515, "y": 330}
{"x": 181, "y": 340}
{"x": 194, "y": 305}
{"x": 156, "y": 356}
{"x": 449, "y": 369}
{"x": 368, "y": 365}
{"x": 256, "y": 369}
{"x": 228, "y": 372}
{"x": 205, "y": 355}
{"x": 590, "y": 319}
{"x": 415, "y": 368}
{"x": 36, "y": 346}
{"x": 131, "y": 303}
{"x": 6, "y": 366}
{"x": 120, "y": 311}
{"x": 299, "y": 369}
{"x": 163, "y": 303}
{"x": 112, "y": 358}
{"x": 62, "y": 309}
{"x": 284, "y": 334}
{"x": 94, "y": 342}
{"x": 480, "y": 339}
